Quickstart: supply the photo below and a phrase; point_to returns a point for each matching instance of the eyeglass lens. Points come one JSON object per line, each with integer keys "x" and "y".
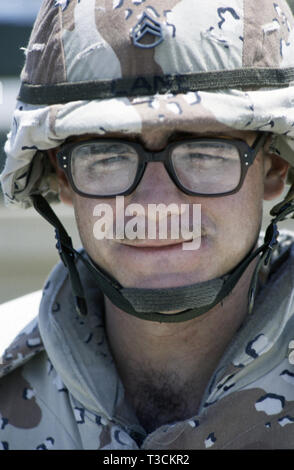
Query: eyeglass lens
{"x": 207, "y": 167}
{"x": 104, "y": 168}
{"x": 109, "y": 168}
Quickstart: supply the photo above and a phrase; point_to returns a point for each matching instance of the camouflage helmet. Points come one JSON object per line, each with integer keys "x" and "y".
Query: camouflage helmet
{"x": 127, "y": 66}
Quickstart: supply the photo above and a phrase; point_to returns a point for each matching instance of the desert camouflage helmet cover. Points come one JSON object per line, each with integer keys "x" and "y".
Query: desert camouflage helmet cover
{"x": 98, "y": 66}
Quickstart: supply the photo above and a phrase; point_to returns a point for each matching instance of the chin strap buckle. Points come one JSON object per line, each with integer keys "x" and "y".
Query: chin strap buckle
{"x": 281, "y": 212}
{"x": 272, "y": 233}
{"x": 67, "y": 256}
{"x": 271, "y": 241}
{"x": 65, "y": 250}
{"x": 62, "y": 248}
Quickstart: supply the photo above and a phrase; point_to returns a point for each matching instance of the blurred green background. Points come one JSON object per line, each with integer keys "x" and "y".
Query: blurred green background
{"x": 16, "y": 19}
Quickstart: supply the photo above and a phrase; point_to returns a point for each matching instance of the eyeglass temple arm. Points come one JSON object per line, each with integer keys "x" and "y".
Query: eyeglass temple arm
{"x": 259, "y": 142}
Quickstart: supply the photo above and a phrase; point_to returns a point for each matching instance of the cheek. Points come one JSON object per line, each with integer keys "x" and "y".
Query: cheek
{"x": 252, "y": 192}
{"x": 102, "y": 251}
{"x": 237, "y": 219}
{"x": 244, "y": 211}
{"x": 85, "y": 210}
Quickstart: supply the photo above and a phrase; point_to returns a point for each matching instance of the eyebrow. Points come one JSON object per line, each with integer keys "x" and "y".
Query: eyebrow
{"x": 138, "y": 137}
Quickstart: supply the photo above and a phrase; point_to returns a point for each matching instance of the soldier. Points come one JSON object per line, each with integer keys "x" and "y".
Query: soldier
{"x": 148, "y": 342}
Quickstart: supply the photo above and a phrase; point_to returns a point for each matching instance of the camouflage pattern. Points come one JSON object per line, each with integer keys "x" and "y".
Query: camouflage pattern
{"x": 84, "y": 41}
{"x": 59, "y": 388}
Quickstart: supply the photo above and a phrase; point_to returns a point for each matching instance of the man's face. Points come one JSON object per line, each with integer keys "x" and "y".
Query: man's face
{"x": 229, "y": 227}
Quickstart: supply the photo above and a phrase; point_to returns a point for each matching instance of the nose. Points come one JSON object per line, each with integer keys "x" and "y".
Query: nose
{"x": 157, "y": 187}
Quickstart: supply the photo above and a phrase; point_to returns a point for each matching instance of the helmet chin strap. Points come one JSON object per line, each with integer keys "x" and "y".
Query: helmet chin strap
{"x": 149, "y": 304}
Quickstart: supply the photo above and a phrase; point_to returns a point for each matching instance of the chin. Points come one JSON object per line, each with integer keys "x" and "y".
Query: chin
{"x": 147, "y": 268}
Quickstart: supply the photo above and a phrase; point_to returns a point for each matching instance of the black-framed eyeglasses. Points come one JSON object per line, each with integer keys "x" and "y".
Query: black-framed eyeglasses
{"x": 207, "y": 167}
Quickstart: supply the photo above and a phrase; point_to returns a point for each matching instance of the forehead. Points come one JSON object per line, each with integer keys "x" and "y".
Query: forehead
{"x": 162, "y": 135}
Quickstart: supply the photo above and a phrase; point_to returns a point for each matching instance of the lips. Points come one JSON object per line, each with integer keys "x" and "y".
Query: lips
{"x": 155, "y": 244}
{"x": 163, "y": 247}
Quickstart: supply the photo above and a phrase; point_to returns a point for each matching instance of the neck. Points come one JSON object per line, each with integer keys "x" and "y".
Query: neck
{"x": 165, "y": 367}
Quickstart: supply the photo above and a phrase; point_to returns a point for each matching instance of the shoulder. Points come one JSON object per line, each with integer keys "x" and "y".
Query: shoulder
{"x": 35, "y": 412}
{"x": 19, "y": 337}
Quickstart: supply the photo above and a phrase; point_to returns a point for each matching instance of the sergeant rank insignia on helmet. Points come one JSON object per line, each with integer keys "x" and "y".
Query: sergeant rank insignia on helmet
{"x": 147, "y": 33}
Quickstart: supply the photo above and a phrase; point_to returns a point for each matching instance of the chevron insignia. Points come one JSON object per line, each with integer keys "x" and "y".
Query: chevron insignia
{"x": 147, "y": 33}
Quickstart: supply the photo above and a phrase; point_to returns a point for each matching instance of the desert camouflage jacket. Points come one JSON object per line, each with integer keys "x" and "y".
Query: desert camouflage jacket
{"x": 59, "y": 388}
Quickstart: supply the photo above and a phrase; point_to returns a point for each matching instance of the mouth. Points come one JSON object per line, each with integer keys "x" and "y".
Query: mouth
{"x": 160, "y": 263}
{"x": 156, "y": 246}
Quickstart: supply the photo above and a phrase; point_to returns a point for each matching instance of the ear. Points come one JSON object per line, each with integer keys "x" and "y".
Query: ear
{"x": 65, "y": 191}
{"x": 275, "y": 173}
